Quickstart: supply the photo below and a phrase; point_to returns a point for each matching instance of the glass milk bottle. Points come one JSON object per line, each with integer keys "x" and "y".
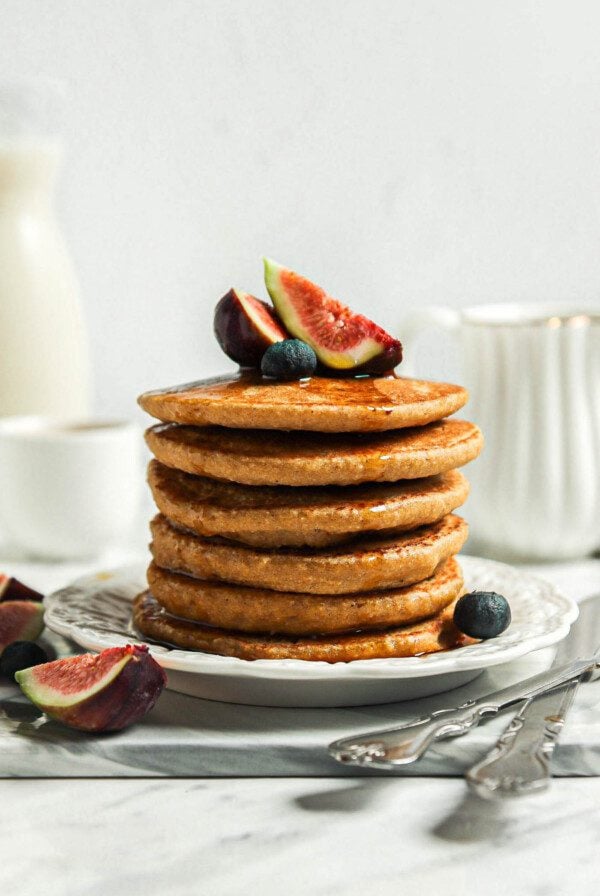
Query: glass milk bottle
{"x": 44, "y": 363}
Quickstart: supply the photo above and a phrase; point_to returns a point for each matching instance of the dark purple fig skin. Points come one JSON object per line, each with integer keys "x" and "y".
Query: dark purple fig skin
{"x": 383, "y": 363}
{"x": 239, "y": 336}
{"x": 123, "y": 702}
{"x": 13, "y": 589}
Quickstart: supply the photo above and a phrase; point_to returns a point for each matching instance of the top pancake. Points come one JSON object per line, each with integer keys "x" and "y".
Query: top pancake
{"x": 246, "y": 400}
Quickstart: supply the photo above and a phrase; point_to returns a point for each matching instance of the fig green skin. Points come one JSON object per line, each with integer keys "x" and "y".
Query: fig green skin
{"x": 241, "y": 337}
{"x": 380, "y": 365}
{"x": 20, "y": 620}
{"x": 124, "y": 701}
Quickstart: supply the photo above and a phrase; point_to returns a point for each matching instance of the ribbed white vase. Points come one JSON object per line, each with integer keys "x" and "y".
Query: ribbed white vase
{"x": 533, "y": 373}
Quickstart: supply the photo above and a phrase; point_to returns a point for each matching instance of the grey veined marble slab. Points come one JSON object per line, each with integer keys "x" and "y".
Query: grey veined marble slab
{"x": 185, "y": 736}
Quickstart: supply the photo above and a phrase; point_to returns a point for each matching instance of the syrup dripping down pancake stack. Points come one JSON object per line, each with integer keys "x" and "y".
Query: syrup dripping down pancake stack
{"x": 309, "y": 519}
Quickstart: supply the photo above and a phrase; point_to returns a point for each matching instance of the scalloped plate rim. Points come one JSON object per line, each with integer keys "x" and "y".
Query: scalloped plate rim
{"x": 477, "y": 656}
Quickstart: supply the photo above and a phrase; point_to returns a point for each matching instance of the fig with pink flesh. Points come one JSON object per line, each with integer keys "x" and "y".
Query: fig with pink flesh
{"x": 13, "y": 589}
{"x": 245, "y": 327}
{"x": 20, "y": 620}
{"x": 341, "y": 339}
{"x": 96, "y": 692}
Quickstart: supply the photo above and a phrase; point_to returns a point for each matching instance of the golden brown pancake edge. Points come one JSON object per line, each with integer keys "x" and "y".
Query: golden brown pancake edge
{"x": 367, "y": 564}
{"x": 262, "y": 457}
{"x": 428, "y": 636}
{"x": 273, "y": 516}
{"x": 238, "y": 607}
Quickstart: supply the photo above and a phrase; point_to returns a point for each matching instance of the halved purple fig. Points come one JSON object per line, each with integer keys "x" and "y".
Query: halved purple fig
{"x": 245, "y": 327}
{"x": 341, "y": 339}
{"x": 96, "y": 692}
{"x": 20, "y": 620}
{"x": 13, "y": 589}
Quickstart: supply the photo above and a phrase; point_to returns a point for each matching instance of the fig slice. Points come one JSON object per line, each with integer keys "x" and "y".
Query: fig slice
{"x": 341, "y": 339}
{"x": 245, "y": 327}
{"x": 13, "y": 589}
{"x": 20, "y": 620}
{"x": 96, "y": 692}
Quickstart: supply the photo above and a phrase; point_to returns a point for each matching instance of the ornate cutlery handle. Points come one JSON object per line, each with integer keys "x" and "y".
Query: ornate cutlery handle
{"x": 407, "y": 742}
{"x": 399, "y": 746}
{"x": 520, "y": 761}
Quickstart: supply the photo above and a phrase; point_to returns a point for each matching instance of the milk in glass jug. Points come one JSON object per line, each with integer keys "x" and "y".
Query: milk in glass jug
{"x": 44, "y": 362}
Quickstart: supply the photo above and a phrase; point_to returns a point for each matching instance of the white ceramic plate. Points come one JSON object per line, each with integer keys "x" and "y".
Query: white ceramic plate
{"x": 95, "y": 612}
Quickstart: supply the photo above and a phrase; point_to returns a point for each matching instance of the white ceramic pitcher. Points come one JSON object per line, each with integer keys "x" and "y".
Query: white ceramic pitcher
{"x": 533, "y": 372}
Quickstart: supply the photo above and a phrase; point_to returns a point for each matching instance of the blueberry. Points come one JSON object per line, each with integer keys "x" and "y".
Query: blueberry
{"x": 290, "y": 359}
{"x": 482, "y": 614}
{"x": 21, "y": 655}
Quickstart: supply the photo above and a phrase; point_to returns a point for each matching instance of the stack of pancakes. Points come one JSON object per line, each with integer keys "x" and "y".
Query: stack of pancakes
{"x": 308, "y": 520}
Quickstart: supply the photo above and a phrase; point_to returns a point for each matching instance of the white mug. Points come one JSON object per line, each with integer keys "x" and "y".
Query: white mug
{"x": 68, "y": 490}
{"x": 533, "y": 373}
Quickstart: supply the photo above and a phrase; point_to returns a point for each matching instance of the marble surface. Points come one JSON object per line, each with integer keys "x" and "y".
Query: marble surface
{"x": 323, "y": 837}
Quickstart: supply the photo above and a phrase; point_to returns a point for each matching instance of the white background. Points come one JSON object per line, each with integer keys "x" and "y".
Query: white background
{"x": 399, "y": 153}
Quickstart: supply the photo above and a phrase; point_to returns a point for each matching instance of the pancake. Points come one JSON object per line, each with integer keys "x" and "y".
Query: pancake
{"x": 427, "y": 636}
{"x": 372, "y": 563}
{"x": 271, "y": 516}
{"x": 260, "y": 457}
{"x": 246, "y": 400}
{"x": 259, "y": 610}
